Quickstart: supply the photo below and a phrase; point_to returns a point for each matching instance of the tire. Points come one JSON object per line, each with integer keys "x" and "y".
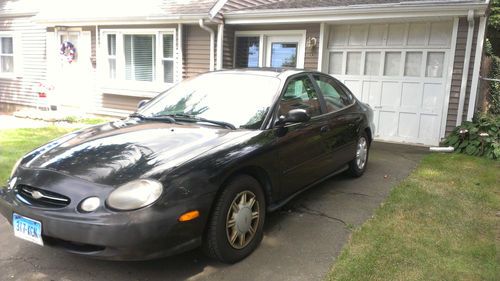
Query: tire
{"x": 357, "y": 166}
{"x": 223, "y": 237}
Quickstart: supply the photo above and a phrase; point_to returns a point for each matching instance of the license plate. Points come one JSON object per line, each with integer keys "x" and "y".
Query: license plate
{"x": 27, "y": 229}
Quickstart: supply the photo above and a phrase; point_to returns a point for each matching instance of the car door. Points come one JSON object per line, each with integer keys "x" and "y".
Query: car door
{"x": 301, "y": 150}
{"x": 343, "y": 121}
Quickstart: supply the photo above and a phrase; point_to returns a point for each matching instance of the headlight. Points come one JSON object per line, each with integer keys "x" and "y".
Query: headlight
{"x": 15, "y": 167}
{"x": 135, "y": 195}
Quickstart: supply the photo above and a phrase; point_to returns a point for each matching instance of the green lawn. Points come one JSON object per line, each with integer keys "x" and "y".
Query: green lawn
{"x": 15, "y": 143}
{"x": 438, "y": 224}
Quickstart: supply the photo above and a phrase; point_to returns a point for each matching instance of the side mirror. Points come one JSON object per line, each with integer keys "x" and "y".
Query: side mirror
{"x": 295, "y": 116}
{"x": 142, "y": 103}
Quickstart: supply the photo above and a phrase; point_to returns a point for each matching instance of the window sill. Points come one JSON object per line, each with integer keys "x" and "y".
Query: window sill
{"x": 134, "y": 88}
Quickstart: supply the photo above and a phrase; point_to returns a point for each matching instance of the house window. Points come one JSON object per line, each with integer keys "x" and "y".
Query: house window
{"x": 6, "y": 55}
{"x": 112, "y": 55}
{"x": 140, "y": 55}
{"x": 247, "y": 51}
{"x": 168, "y": 58}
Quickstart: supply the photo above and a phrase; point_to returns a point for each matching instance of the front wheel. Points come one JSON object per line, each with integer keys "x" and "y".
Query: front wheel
{"x": 236, "y": 225}
{"x": 358, "y": 165}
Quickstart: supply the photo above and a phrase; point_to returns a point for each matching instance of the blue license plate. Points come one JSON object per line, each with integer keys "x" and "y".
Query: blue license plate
{"x": 27, "y": 229}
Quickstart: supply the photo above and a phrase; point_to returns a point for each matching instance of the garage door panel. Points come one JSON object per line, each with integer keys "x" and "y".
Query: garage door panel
{"x": 431, "y": 100}
{"x": 411, "y": 95}
{"x": 391, "y": 93}
{"x": 429, "y": 125}
{"x": 355, "y": 87}
{"x": 440, "y": 34}
{"x": 387, "y": 123}
{"x": 408, "y": 125}
{"x": 396, "y": 34}
{"x": 371, "y": 92}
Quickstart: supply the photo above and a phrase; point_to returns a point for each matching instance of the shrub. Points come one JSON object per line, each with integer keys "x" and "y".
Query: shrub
{"x": 481, "y": 137}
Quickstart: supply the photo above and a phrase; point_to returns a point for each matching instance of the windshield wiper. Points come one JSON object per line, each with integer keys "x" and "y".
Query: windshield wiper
{"x": 194, "y": 118}
{"x": 153, "y": 118}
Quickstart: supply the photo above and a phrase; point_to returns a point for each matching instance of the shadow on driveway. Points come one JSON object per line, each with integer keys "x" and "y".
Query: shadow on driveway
{"x": 301, "y": 241}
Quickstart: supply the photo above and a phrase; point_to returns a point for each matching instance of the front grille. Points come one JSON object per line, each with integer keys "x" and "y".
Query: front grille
{"x": 40, "y": 198}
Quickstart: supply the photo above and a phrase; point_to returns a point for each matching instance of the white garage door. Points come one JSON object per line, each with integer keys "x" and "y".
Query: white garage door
{"x": 400, "y": 69}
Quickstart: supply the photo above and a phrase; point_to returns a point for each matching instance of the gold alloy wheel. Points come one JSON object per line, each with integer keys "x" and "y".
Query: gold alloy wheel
{"x": 242, "y": 219}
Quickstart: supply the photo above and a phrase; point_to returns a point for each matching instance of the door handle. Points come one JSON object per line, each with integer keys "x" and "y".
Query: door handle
{"x": 377, "y": 107}
{"x": 324, "y": 129}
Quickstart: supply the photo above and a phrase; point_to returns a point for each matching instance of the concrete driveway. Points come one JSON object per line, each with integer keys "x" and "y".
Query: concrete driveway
{"x": 301, "y": 241}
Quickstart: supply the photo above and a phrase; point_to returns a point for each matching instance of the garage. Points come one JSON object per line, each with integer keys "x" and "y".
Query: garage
{"x": 401, "y": 69}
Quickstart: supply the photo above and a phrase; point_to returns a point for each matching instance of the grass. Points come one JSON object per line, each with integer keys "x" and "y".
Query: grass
{"x": 438, "y": 224}
{"x": 14, "y": 143}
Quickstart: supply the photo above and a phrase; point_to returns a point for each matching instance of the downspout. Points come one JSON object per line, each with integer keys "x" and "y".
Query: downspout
{"x": 465, "y": 71}
{"x": 180, "y": 57}
{"x": 477, "y": 67}
{"x": 220, "y": 47}
{"x": 212, "y": 43}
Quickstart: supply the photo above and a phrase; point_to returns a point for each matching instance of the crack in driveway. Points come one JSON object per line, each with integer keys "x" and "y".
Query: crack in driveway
{"x": 302, "y": 208}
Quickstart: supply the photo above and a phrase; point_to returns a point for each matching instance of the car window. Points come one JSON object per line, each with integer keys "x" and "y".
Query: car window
{"x": 300, "y": 93}
{"x": 334, "y": 96}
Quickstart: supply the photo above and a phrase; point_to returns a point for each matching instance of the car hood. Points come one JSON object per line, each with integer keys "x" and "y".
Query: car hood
{"x": 117, "y": 152}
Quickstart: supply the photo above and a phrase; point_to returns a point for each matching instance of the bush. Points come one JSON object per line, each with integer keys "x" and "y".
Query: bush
{"x": 481, "y": 137}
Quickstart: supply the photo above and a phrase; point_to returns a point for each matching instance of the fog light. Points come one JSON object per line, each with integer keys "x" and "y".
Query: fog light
{"x": 90, "y": 204}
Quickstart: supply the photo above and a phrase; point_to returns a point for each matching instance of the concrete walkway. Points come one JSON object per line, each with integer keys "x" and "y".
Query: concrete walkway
{"x": 301, "y": 241}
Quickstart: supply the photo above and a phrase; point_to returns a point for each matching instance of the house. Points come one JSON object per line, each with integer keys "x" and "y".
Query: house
{"x": 416, "y": 62}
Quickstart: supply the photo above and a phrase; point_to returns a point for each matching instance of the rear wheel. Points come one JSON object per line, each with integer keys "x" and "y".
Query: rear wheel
{"x": 236, "y": 226}
{"x": 358, "y": 165}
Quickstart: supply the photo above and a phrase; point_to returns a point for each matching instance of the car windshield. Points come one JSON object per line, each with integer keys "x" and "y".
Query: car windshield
{"x": 239, "y": 99}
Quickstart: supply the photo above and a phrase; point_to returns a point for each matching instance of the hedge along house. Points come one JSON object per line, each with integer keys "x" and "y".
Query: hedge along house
{"x": 415, "y": 62}
{"x": 121, "y": 52}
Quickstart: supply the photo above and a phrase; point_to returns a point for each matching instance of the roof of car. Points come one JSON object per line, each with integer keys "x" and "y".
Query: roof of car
{"x": 263, "y": 71}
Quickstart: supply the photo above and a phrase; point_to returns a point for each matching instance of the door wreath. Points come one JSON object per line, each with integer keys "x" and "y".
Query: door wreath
{"x": 68, "y": 51}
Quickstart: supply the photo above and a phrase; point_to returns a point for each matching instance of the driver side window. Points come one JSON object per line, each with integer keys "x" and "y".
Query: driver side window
{"x": 300, "y": 93}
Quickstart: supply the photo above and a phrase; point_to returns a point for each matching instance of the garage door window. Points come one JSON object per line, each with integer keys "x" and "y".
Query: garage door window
{"x": 354, "y": 63}
{"x": 413, "y": 64}
{"x": 435, "y": 62}
{"x": 392, "y": 63}
{"x": 372, "y": 63}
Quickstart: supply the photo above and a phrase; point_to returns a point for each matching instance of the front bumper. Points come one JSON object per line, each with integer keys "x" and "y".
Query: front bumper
{"x": 143, "y": 234}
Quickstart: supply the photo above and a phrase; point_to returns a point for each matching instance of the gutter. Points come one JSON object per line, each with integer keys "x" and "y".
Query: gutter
{"x": 212, "y": 42}
{"x": 180, "y": 57}
{"x": 220, "y": 47}
{"x": 477, "y": 68}
{"x": 171, "y": 19}
{"x": 465, "y": 71}
{"x": 353, "y": 12}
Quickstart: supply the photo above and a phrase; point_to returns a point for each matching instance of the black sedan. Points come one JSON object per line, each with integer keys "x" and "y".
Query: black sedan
{"x": 199, "y": 165}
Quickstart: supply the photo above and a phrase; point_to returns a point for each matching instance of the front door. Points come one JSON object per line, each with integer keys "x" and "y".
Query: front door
{"x": 285, "y": 51}
{"x": 72, "y": 77}
{"x": 301, "y": 148}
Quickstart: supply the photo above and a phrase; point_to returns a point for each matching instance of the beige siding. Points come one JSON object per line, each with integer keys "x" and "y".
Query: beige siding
{"x": 196, "y": 51}
{"x": 458, "y": 65}
{"x": 29, "y": 52}
{"x": 312, "y": 30}
{"x": 228, "y": 46}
